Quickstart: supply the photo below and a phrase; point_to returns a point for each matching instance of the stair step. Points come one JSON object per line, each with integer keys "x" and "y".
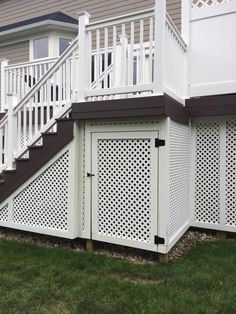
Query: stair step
{"x": 35, "y": 147}
{"x": 6, "y": 171}
{"x": 39, "y": 155}
{"x": 62, "y": 125}
{"x": 49, "y": 133}
{"x": 22, "y": 159}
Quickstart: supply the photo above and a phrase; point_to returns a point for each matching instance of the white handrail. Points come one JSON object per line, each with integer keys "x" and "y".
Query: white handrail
{"x": 30, "y": 63}
{"x": 175, "y": 30}
{"x": 121, "y": 19}
{"x": 49, "y": 99}
{"x": 47, "y": 75}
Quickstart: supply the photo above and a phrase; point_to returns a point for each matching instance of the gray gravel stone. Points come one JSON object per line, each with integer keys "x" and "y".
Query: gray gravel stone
{"x": 179, "y": 251}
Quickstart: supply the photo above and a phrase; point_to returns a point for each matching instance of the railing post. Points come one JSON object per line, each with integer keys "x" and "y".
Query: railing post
{"x": 185, "y": 19}
{"x": 3, "y": 64}
{"x": 185, "y": 32}
{"x": 159, "y": 50}
{"x": 120, "y": 72}
{"x": 11, "y": 130}
{"x": 84, "y": 58}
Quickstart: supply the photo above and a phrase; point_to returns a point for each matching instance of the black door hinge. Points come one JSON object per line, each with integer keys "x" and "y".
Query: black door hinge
{"x": 159, "y": 142}
{"x": 159, "y": 240}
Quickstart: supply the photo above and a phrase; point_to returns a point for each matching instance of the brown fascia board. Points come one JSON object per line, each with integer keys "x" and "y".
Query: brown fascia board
{"x": 217, "y": 105}
{"x": 131, "y": 107}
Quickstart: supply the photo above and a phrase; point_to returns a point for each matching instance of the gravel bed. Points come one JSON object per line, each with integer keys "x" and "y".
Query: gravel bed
{"x": 179, "y": 251}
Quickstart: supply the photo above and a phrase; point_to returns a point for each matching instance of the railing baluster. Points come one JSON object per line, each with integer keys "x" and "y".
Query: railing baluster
{"x": 124, "y": 45}
{"x": 67, "y": 80}
{"x": 131, "y": 60}
{"x": 114, "y": 50}
{"x": 141, "y": 54}
{"x": 41, "y": 99}
{"x": 36, "y": 111}
{"x": 1, "y": 146}
{"x": 54, "y": 89}
{"x": 30, "y": 122}
{"x": 150, "y": 78}
{"x": 60, "y": 86}
{"x": 97, "y": 72}
{"x": 105, "y": 57}
{"x": 24, "y": 124}
{"x": 19, "y": 129}
{"x": 90, "y": 57}
{"x": 48, "y": 99}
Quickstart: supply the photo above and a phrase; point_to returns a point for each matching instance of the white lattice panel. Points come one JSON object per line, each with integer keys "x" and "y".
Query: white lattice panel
{"x": 124, "y": 188}
{"x": 207, "y": 172}
{"x": 178, "y": 177}
{"x": 44, "y": 203}
{"x": 230, "y": 173}
{"x": 198, "y": 4}
{"x": 4, "y": 213}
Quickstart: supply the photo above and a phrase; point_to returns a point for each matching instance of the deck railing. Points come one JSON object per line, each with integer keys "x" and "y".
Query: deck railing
{"x": 20, "y": 78}
{"x": 129, "y": 56}
{"x": 175, "y": 78}
{"x": 126, "y": 43}
{"x": 47, "y": 100}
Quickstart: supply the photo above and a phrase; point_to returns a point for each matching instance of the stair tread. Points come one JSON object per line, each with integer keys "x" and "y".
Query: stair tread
{"x": 50, "y": 133}
{"x": 35, "y": 147}
{"x": 22, "y": 159}
{"x": 9, "y": 170}
{"x": 39, "y": 155}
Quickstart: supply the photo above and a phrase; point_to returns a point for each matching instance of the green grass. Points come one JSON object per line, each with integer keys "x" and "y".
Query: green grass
{"x": 40, "y": 280}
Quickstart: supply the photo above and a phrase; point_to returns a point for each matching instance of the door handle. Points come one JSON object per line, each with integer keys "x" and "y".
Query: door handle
{"x": 89, "y": 175}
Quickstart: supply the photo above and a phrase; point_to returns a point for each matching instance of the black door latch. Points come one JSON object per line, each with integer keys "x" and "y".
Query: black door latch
{"x": 89, "y": 175}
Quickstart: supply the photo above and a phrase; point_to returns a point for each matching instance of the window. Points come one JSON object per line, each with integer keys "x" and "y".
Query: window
{"x": 63, "y": 44}
{"x": 41, "y": 48}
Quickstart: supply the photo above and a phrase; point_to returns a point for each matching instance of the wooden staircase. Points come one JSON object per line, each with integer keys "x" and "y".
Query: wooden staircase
{"x": 38, "y": 155}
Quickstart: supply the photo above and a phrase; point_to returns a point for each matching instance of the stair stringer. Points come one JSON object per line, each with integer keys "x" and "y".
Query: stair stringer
{"x": 45, "y": 202}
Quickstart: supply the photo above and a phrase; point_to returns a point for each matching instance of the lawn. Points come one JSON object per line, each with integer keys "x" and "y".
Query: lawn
{"x": 42, "y": 280}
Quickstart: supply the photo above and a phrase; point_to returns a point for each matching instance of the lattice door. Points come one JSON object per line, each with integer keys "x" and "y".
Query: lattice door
{"x": 124, "y": 188}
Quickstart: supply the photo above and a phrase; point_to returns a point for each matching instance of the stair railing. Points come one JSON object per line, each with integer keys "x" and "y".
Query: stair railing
{"x": 37, "y": 111}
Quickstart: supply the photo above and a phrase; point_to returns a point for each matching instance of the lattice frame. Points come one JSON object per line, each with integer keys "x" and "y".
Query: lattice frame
{"x": 124, "y": 205}
{"x": 207, "y": 172}
{"x": 44, "y": 202}
{"x": 4, "y": 213}
{"x": 124, "y": 187}
{"x": 230, "y": 214}
{"x": 179, "y": 169}
{"x": 198, "y": 4}
{"x": 86, "y": 130}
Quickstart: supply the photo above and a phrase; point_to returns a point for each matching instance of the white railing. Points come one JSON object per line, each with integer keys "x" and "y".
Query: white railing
{"x": 129, "y": 56}
{"x": 38, "y": 110}
{"x": 122, "y": 50}
{"x": 175, "y": 62}
{"x": 20, "y": 78}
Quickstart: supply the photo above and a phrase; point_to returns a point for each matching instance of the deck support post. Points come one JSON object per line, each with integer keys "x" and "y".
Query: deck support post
{"x": 159, "y": 49}
{"x": 221, "y": 235}
{"x": 3, "y": 64}
{"x": 83, "y": 63}
{"x": 11, "y": 129}
{"x": 89, "y": 245}
{"x": 163, "y": 258}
